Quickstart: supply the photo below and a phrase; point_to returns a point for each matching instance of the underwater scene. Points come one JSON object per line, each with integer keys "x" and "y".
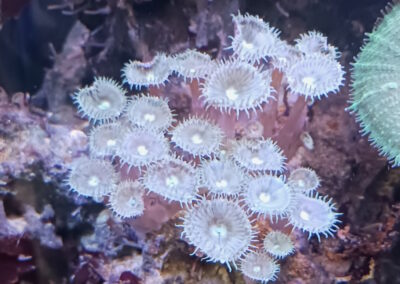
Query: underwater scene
{"x": 199, "y": 141}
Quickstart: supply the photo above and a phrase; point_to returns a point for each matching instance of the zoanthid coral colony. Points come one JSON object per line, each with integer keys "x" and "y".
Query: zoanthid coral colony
{"x": 225, "y": 185}
{"x": 375, "y": 97}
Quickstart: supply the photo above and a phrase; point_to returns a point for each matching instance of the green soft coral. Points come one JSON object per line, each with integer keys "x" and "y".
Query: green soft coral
{"x": 376, "y": 85}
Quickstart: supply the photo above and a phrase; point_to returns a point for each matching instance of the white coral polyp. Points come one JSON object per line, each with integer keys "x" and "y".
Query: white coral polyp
{"x": 149, "y": 113}
{"x": 268, "y": 195}
{"x": 303, "y": 180}
{"x": 254, "y": 39}
{"x": 312, "y": 42}
{"x": 103, "y": 139}
{"x": 92, "y": 177}
{"x": 315, "y": 76}
{"x": 220, "y": 228}
{"x": 126, "y": 200}
{"x": 139, "y": 147}
{"x": 258, "y": 155}
{"x": 192, "y": 64}
{"x": 222, "y": 177}
{"x": 315, "y": 215}
{"x": 315, "y": 42}
{"x": 102, "y": 102}
{"x": 237, "y": 86}
{"x": 173, "y": 179}
{"x": 259, "y": 266}
{"x": 285, "y": 57}
{"x": 197, "y": 136}
{"x": 143, "y": 74}
{"x": 278, "y": 244}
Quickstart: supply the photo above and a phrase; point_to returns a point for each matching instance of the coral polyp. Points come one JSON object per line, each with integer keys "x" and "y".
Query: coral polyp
{"x": 126, "y": 200}
{"x": 237, "y": 86}
{"x": 278, "y": 244}
{"x": 150, "y": 113}
{"x": 173, "y": 179}
{"x": 375, "y": 97}
{"x": 92, "y": 177}
{"x": 219, "y": 228}
{"x": 139, "y": 147}
{"x": 315, "y": 215}
{"x": 103, "y": 139}
{"x": 259, "y": 266}
{"x": 303, "y": 180}
{"x": 103, "y": 101}
{"x": 222, "y": 177}
{"x": 268, "y": 195}
{"x": 143, "y": 74}
{"x": 315, "y": 76}
{"x": 312, "y": 42}
{"x": 192, "y": 64}
{"x": 258, "y": 155}
{"x": 285, "y": 57}
{"x": 254, "y": 39}
{"x": 197, "y": 136}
